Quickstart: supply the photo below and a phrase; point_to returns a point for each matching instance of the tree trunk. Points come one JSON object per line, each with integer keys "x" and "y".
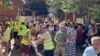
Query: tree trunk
{"x": 89, "y": 16}
{"x": 74, "y": 18}
{"x": 65, "y": 16}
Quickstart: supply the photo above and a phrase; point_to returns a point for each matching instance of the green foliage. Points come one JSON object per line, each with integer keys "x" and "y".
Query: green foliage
{"x": 82, "y": 7}
{"x": 28, "y": 2}
{"x": 54, "y": 6}
{"x": 67, "y": 6}
{"x": 96, "y": 13}
{"x": 8, "y": 4}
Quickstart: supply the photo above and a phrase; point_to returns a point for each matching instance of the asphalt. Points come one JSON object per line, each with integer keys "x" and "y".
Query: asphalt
{"x": 17, "y": 52}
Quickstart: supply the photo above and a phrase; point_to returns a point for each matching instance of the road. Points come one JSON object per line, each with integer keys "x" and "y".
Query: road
{"x": 17, "y": 52}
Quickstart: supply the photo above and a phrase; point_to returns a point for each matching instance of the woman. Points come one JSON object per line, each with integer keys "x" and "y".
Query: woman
{"x": 79, "y": 36}
{"x": 6, "y": 38}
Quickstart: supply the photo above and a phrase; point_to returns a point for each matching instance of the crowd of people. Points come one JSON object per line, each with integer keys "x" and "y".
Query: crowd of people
{"x": 56, "y": 37}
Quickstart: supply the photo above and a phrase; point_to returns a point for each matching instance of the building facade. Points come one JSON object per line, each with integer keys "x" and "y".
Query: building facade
{"x": 11, "y": 12}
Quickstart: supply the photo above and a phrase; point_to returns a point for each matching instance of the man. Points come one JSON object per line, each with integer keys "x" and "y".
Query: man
{"x": 93, "y": 50}
{"x": 60, "y": 39}
{"x": 47, "y": 42}
{"x": 16, "y": 29}
{"x": 21, "y": 32}
{"x": 27, "y": 38}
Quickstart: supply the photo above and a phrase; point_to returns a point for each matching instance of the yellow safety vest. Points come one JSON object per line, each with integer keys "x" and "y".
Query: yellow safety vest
{"x": 24, "y": 41}
{"x": 6, "y": 36}
{"x": 48, "y": 44}
{"x": 16, "y": 26}
{"x": 23, "y": 30}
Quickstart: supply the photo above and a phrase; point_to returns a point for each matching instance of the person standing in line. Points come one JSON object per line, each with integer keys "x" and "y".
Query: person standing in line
{"x": 71, "y": 41}
{"x": 47, "y": 42}
{"x": 60, "y": 39}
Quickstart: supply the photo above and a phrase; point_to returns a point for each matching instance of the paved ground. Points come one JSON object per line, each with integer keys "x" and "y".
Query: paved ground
{"x": 17, "y": 52}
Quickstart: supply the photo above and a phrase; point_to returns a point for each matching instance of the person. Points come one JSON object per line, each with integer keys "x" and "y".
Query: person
{"x": 71, "y": 40}
{"x": 79, "y": 36}
{"x": 97, "y": 29}
{"x": 6, "y": 38}
{"x": 37, "y": 27}
{"x": 84, "y": 35}
{"x": 21, "y": 32}
{"x": 1, "y": 53}
{"x": 90, "y": 33}
{"x": 51, "y": 27}
{"x": 15, "y": 33}
{"x": 47, "y": 42}
{"x": 11, "y": 21}
{"x": 40, "y": 46}
{"x": 93, "y": 50}
{"x": 60, "y": 39}
{"x": 26, "y": 40}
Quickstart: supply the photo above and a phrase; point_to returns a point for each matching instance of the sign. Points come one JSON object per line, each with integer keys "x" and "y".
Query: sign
{"x": 80, "y": 20}
{"x": 25, "y": 18}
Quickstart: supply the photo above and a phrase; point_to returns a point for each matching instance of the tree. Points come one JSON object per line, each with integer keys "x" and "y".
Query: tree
{"x": 70, "y": 6}
{"x": 67, "y": 6}
{"x": 53, "y": 6}
{"x": 96, "y": 13}
{"x": 7, "y": 4}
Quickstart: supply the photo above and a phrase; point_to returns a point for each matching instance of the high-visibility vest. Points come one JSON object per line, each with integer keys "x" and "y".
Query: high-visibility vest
{"x": 16, "y": 26}
{"x": 6, "y": 36}
{"x": 24, "y": 41}
{"x": 23, "y": 30}
{"x": 48, "y": 44}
